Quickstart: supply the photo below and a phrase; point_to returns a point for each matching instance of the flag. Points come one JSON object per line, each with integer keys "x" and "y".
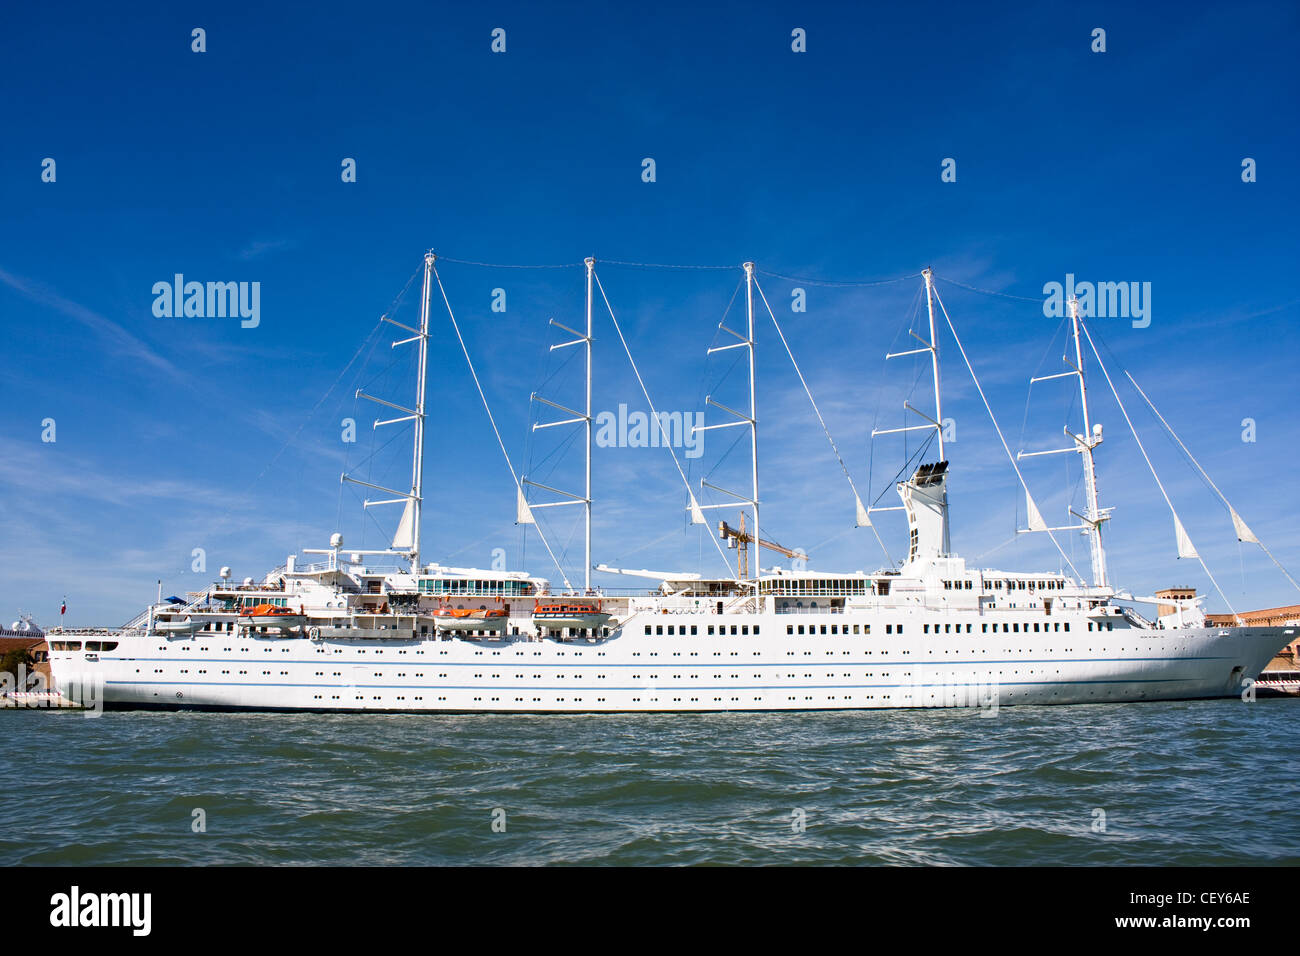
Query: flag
{"x": 63, "y": 609}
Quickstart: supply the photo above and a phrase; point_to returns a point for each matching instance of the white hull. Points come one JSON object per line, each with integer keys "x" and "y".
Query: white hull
{"x": 629, "y": 672}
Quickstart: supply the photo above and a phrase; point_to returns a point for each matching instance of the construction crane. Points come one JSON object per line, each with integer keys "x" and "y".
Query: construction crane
{"x": 742, "y": 539}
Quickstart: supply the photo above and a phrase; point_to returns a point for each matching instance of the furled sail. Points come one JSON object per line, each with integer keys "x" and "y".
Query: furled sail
{"x": 1243, "y": 531}
{"x": 864, "y": 519}
{"x": 1185, "y": 548}
{"x": 404, "y": 539}
{"x": 523, "y": 513}
{"x": 1036, "y": 522}
{"x": 697, "y": 516}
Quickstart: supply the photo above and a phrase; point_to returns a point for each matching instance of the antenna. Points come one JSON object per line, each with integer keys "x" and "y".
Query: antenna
{"x": 585, "y": 418}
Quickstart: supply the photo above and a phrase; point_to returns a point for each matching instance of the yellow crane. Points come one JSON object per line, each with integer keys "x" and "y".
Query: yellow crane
{"x": 740, "y": 539}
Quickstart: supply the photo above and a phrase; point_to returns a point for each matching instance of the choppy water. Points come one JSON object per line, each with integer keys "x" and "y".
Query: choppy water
{"x": 1210, "y": 782}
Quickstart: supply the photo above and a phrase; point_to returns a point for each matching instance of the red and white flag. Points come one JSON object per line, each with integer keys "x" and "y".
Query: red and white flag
{"x": 64, "y": 608}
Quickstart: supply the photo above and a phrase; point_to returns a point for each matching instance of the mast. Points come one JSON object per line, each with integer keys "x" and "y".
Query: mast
{"x": 1086, "y": 442}
{"x": 934, "y": 355}
{"x": 417, "y": 466}
{"x": 1090, "y": 521}
{"x": 406, "y": 541}
{"x": 740, "y": 419}
{"x": 575, "y": 417}
{"x": 753, "y": 420}
{"x": 934, "y": 473}
{"x": 586, "y": 566}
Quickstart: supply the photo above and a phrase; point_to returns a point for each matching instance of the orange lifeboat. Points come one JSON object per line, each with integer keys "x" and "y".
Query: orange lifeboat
{"x": 469, "y": 619}
{"x": 570, "y": 613}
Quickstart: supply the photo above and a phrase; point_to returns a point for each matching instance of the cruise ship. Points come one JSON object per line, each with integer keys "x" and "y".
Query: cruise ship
{"x": 337, "y": 630}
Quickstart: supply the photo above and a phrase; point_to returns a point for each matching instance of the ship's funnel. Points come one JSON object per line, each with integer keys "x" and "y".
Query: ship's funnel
{"x": 925, "y": 498}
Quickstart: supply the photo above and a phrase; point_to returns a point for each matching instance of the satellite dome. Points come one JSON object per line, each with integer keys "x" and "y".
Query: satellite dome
{"x": 336, "y": 540}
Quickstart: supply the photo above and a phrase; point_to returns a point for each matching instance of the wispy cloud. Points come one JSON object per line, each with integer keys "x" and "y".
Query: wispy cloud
{"x": 261, "y": 248}
{"x": 122, "y": 340}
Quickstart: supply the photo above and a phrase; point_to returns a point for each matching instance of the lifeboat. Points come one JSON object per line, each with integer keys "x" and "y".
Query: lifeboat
{"x": 270, "y": 616}
{"x": 187, "y": 626}
{"x": 469, "y": 619}
{"x": 557, "y": 614}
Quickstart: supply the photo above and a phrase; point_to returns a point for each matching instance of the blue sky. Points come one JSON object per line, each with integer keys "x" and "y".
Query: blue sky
{"x": 182, "y": 433}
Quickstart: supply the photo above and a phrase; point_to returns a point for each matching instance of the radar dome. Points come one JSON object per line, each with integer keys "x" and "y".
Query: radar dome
{"x": 336, "y": 540}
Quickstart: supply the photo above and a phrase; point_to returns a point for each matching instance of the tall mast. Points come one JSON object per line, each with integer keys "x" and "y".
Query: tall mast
{"x": 1086, "y": 442}
{"x": 930, "y": 424}
{"x": 740, "y": 419}
{"x": 574, "y": 418}
{"x": 417, "y": 466}
{"x": 934, "y": 356}
{"x": 586, "y": 567}
{"x": 407, "y": 539}
{"x": 753, "y": 417}
{"x": 1094, "y": 515}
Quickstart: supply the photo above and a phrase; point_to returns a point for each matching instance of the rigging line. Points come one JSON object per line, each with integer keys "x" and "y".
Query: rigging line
{"x": 705, "y": 389}
{"x": 807, "y": 391}
{"x": 290, "y": 440}
{"x": 619, "y": 559}
{"x": 397, "y": 302}
{"x": 473, "y": 374}
{"x": 837, "y": 283}
{"x": 907, "y": 465}
{"x": 723, "y": 457}
{"x": 659, "y": 265}
{"x": 654, "y": 414}
{"x": 880, "y": 400}
{"x": 507, "y": 265}
{"x": 1005, "y": 295}
{"x": 996, "y": 427}
{"x": 1205, "y": 475}
{"x": 1147, "y": 458}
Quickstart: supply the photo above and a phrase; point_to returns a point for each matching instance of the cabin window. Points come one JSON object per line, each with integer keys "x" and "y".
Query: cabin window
{"x": 800, "y": 628}
{"x": 889, "y": 629}
{"x": 659, "y": 629}
{"x": 647, "y": 629}
{"x": 789, "y": 628}
{"x": 733, "y": 630}
{"x": 744, "y": 629}
{"x": 694, "y": 630}
{"x": 710, "y": 629}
